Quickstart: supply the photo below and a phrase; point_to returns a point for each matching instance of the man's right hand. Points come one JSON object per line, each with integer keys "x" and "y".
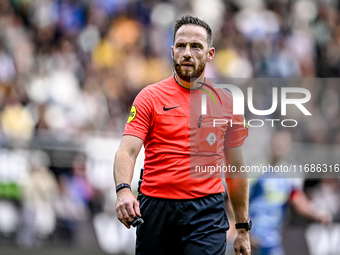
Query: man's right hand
{"x": 127, "y": 206}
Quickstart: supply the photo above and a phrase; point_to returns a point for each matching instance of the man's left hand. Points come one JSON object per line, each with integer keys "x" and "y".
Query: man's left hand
{"x": 242, "y": 243}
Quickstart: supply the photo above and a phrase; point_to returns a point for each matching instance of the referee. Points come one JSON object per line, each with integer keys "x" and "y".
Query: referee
{"x": 183, "y": 212}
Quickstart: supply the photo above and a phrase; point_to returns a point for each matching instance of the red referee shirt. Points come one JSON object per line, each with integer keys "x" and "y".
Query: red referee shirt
{"x": 177, "y": 138}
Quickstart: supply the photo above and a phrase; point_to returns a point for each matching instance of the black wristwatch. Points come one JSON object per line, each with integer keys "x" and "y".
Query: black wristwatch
{"x": 247, "y": 225}
{"x": 122, "y": 186}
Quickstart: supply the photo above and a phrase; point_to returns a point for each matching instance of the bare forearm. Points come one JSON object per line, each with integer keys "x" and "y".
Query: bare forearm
{"x": 238, "y": 193}
{"x": 127, "y": 206}
{"x": 304, "y": 207}
{"x": 123, "y": 168}
{"x": 126, "y": 158}
{"x": 237, "y": 184}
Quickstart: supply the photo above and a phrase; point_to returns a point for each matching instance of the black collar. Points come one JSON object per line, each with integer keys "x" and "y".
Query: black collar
{"x": 187, "y": 88}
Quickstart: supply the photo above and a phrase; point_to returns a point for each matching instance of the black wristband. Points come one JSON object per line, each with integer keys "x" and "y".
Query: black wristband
{"x": 247, "y": 225}
{"x": 122, "y": 186}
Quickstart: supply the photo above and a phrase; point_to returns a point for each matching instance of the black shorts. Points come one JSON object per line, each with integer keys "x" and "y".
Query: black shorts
{"x": 193, "y": 226}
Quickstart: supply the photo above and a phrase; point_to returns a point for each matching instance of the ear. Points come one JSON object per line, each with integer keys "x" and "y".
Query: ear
{"x": 211, "y": 54}
{"x": 172, "y": 51}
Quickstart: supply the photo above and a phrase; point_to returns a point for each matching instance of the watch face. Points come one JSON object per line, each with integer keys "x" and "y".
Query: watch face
{"x": 250, "y": 224}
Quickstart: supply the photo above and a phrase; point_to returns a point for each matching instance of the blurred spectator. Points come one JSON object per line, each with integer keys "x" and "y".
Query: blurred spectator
{"x": 16, "y": 120}
{"x": 268, "y": 199}
{"x": 52, "y": 47}
{"x": 70, "y": 16}
{"x": 38, "y": 216}
{"x": 7, "y": 68}
{"x": 80, "y": 188}
{"x": 325, "y": 196}
{"x": 69, "y": 211}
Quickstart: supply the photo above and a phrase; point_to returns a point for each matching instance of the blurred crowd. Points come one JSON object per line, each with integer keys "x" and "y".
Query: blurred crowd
{"x": 74, "y": 66}
{"x": 71, "y": 68}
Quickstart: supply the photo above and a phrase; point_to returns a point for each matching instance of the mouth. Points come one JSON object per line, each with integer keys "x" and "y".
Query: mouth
{"x": 187, "y": 65}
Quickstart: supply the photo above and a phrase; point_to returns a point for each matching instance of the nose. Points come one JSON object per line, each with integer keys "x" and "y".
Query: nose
{"x": 187, "y": 52}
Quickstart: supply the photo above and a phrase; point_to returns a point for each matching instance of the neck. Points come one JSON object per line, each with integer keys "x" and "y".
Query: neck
{"x": 190, "y": 85}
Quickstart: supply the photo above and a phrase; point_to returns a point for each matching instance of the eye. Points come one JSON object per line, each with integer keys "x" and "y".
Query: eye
{"x": 196, "y": 46}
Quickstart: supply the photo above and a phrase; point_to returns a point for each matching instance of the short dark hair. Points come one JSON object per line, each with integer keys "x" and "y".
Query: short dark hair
{"x": 191, "y": 20}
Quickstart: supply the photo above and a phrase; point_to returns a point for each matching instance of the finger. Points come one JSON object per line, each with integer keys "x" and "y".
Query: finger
{"x": 237, "y": 251}
{"x": 119, "y": 214}
{"x": 246, "y": 251}
{"x": 137, "y": 210}
{"x": 125, "y": 213}
{"x": 121, "y": 218}
{"x": 131, "y": 211}
{"x": 125, "y": 224}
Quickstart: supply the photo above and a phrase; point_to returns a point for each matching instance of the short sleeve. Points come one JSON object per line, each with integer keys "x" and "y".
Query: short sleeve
{"x": 237, "y": 132}
{"x": 139, "y": 121}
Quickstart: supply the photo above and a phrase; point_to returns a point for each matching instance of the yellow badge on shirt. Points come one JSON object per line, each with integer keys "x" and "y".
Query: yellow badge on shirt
{"x": 133, "y": 114}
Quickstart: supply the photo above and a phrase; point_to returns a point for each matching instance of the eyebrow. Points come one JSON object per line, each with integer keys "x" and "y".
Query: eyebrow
{"x": 191, "y": 43}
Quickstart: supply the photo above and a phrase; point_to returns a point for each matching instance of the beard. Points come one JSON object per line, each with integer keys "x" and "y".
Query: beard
{"x": 187, "y": 75}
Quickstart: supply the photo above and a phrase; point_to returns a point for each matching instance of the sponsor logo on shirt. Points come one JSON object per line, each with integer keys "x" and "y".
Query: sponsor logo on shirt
{"x": 133, "y": 114}
{"x": 167, "y": 109}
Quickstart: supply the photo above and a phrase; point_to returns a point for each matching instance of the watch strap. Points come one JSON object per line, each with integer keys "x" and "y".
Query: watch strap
{"x": 241, "y": 225}
{"x": 247, "y": 225}
{"x": 122, "y": 186}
